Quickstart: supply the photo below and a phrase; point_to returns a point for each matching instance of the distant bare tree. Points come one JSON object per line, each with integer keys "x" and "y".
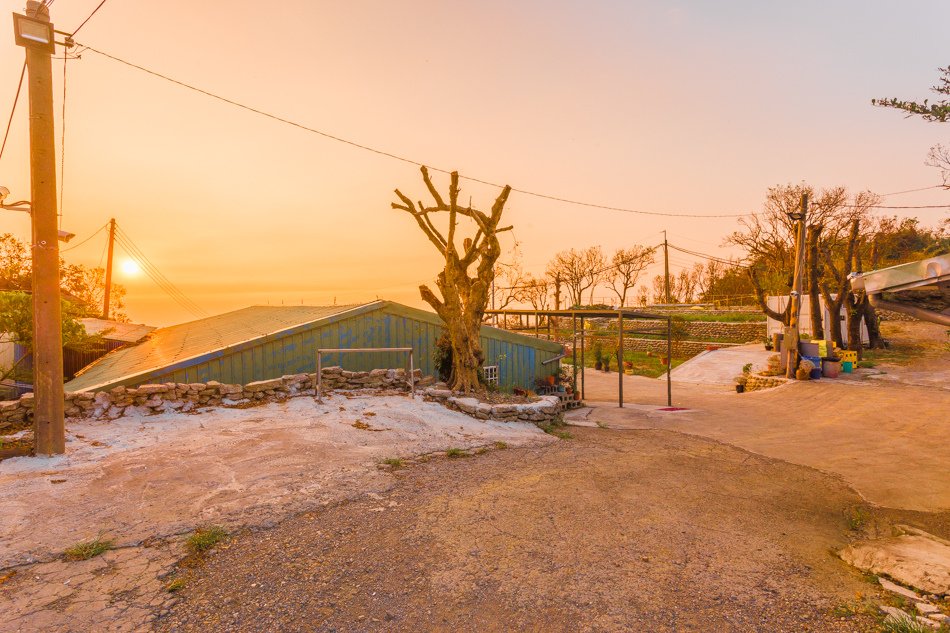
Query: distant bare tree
{"x": 537, "y": 292}
{"x": 578, "y": 271}
{"x": 626, "y": 267}
{"x": 464, "y": 297}
{"x": 509, "y": 280}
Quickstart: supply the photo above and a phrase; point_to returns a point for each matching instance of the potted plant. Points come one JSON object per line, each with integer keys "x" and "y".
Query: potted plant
{"x": 768, "y": 344}
{"x": 741, "y": 382}
{"x": 607, "y": 364}
{"x": 598, "y": 356}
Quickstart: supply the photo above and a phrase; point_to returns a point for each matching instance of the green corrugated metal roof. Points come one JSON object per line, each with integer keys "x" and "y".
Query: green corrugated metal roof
{"x": 170, "y": 345}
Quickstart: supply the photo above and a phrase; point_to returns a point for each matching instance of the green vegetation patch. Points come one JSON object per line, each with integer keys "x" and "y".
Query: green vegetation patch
{"x": 205, "y": 538}
{"x": 88, "y": 549}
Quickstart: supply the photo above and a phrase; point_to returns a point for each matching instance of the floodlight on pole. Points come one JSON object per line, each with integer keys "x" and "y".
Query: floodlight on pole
{"x": 24, "y": 206}
{"x": 33, "y": 33}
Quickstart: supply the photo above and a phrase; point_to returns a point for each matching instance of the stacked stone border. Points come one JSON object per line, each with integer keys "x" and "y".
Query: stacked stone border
{"x": 545, "y": 410}
{"x": 755, "y": 382}
{"x": 184, "y": 397}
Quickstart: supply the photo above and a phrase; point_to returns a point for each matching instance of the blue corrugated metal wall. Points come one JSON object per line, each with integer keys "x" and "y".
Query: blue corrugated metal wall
{"x": 519, "y": 358}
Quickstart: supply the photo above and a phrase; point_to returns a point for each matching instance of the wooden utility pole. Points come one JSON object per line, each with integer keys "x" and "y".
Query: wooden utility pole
{"x": 49, "y": 427}
{"x": 666, "y": 268}
{"x": 108, "y": 293}
{"x": 791, "y": 332}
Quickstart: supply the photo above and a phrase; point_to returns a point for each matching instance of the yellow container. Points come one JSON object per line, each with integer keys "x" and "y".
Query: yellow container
{"x": 848, "y": 356}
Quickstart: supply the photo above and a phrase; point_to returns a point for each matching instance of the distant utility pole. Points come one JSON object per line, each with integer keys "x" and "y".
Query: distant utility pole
{"x": 108, "y": 292}
{"x": 666, "y": 268}
{"x": 791, "y": 332}
{"x": 35, "y": 32}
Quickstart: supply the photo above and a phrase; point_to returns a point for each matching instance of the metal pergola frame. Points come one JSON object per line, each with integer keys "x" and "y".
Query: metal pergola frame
{"x": 584, "y": 314}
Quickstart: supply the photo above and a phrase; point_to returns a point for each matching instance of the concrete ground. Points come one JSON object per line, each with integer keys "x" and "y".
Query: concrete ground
{"x": 146, "y": 482}
{"x": 720, "y": 366}
{"x": 884, "y": 439}
{"x": 606, "y": 531}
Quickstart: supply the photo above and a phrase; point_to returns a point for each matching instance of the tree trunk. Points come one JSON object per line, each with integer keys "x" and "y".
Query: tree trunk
{"x": 834, "y": 305}
{"x": 783, "y": 317}
{"x": 464, "y": 297}
{"x": 817, "y": 329}
{"x": 856, "y": 305}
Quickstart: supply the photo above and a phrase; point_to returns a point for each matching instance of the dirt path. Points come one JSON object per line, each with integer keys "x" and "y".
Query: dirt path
{"x": 610, "y": 531}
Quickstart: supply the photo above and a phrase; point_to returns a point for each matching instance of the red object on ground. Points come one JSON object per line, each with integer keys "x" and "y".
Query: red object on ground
{"x": 673, "y": 409}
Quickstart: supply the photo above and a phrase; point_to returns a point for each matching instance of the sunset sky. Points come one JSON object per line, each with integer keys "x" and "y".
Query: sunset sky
{"x": 674, "y": 106}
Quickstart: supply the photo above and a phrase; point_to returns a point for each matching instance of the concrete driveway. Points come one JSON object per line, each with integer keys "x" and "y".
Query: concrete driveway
{"x": 888, "y": 441}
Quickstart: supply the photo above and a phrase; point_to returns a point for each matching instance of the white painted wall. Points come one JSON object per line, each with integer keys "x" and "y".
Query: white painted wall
{"x": 778, "y": 304}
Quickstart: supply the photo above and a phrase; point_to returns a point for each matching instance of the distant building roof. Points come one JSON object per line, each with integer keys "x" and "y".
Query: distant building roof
{"x": 116, "y": 331}
{"x": 171, "y": 345}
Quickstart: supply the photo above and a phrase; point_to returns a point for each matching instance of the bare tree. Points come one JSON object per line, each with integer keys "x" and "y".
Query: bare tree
{"x": 464, "y": 296}
{"x": 509, "y": 280}
{"x": 626, "y": 267}
{"x": 578, "y": 271}
{"x": 537, "y": 292}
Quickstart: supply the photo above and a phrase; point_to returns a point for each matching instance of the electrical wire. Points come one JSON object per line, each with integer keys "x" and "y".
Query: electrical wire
{"x": 13, "y": 109}
{"x": 74, "y": 246}
{"x": 897, "y": 193}
{"x": 152, "y": 271}
{"x": 94, "y": 11}
{"x": 403, "y": 158}
{"x": 62, "y": 145}
{"x": 706, "y": 256}
{"x": 159, "y": 279}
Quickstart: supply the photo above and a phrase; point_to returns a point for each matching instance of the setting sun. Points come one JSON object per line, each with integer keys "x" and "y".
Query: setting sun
{"x": 130, "y": 267}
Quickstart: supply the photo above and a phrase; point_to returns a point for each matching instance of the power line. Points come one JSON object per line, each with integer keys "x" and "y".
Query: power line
{"x": 94, "y": 11}
{"x": 160, "y": 280}
{"x": 709, "y": 257}
{"x": 896, "y": 193}
{"x": 13, "y": 109}
{"x": 62, "y": 145}
{"x": 397, "y": 156}
{"x": 156, "y": 275}
{"x": 96, "y": 232}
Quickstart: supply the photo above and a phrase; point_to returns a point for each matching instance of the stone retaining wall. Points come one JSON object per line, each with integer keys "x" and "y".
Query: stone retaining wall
{"x": 757, "y": 383}
{"x": 184, "y": 397}
{"x": 544, "y": 410}
{"x": 681, "y": 349}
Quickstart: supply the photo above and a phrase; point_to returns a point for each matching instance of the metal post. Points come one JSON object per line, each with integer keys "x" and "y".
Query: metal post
{"x": 49, "y": 426}
{"x": 412, "y": 381}
{"x": 574, "y": 347}
{"x": 620, "y": 357}
{"x": 669, "y": 361}
{"x": 666, "y": 268}
{"x": 108, "y": 293}
{"x": 319, "y": 376}
{"x": 583, "y": 364}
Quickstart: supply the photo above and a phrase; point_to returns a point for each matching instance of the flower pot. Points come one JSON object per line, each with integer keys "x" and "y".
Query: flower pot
{"x": 550, "y": 380}
{"x": 664, "y": 361}
{"x": 598, "y": 365}
{"x": 740, "y": 388}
